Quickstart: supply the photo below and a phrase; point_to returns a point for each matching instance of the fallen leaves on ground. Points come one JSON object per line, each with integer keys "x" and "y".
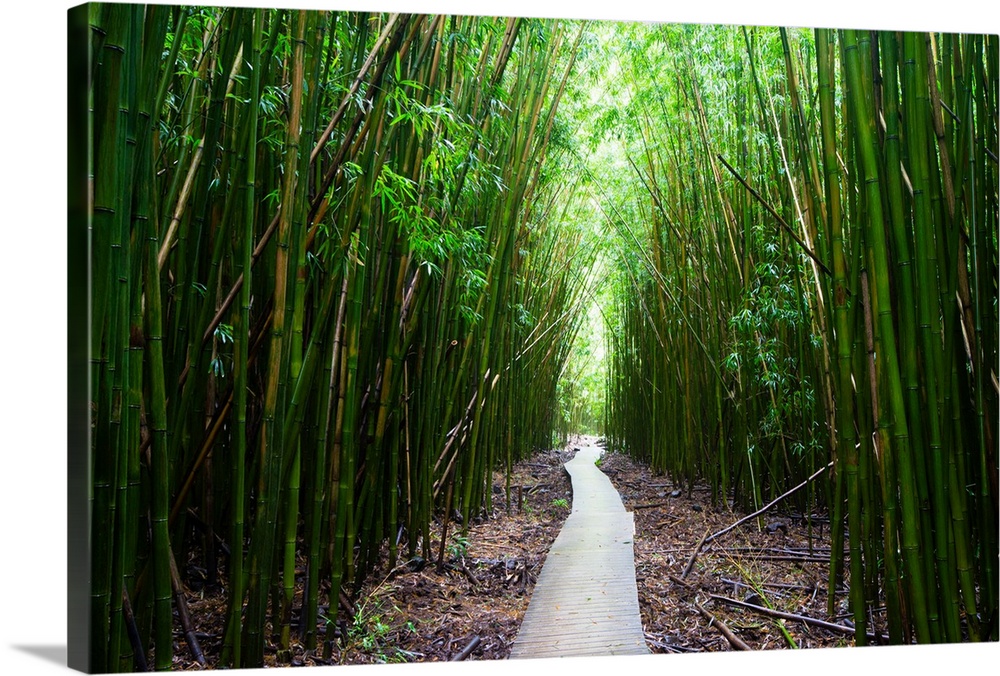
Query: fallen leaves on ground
{"x": 419, "y": 612}
{"x": 778, "y": 563}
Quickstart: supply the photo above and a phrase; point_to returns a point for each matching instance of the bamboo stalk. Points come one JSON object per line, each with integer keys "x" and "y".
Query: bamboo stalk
{"x": 733, "y": 639}
{"x": 768, "y": 506}
{"x": 788, "y": 229}
{"x": 829, "y": 626}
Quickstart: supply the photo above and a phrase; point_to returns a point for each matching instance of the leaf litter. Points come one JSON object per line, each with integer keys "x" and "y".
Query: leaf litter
{"x": 472, "y": 606}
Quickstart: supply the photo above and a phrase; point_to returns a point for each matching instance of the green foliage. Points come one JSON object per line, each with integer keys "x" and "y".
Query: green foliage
{"x": 224, "y": 333}
{"x": 473, "y": 261}
{"x": 370, "y": 633}
{"x": 351, "y": 293}
{"x": 458, "y": 547}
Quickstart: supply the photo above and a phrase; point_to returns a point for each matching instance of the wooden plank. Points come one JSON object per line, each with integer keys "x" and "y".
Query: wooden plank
{"x": 585, "y": 601}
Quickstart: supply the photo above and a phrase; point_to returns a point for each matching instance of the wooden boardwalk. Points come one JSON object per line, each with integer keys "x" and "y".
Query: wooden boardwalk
{"x": 585, "y": 601}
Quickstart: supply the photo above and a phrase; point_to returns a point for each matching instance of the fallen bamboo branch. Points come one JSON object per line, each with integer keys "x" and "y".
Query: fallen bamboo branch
{"x": 694, "y": 555}
{"x": 681, "y": 582}
{"x": 663, "y": 645}
{"x": 803, "y": 558}
{"x": 671, "y": 519}
{"x": 473, "y": 580}
{"x": 768, "y": 505}
{"x": 182, "y": 611}
{"x": 713, "y": 621}
{"x": 648, "y": 505}
{"x": 784, "y": 551}
{"x": 346, "y": 604}
{"x": 467, "y": 650}
{"x": 708, "y": 538}
{"x": 781, "y": 221}
{"x": 775, "y": 585}
{"x": 133, "y": 633}
{"x": 839, "y": 628}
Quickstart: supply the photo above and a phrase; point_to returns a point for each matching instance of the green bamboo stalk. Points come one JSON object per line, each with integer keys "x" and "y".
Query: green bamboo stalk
{"x": 108, "y": 211}
{"x": 864, "y": 129}
{"x": 325, "y": 482}
{"x": 843, "y": 337}
{"x": 901, "y": 243}
{"x": 305, "y": 25}
{"x": 159, "y": 469}
{"x": 242, "y": 337}
{"x": 271, "y": 450}
{"x": 927, "y": 292}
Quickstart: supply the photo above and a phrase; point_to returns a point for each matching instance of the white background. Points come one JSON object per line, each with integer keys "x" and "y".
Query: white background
{"x": 33, "y": 286}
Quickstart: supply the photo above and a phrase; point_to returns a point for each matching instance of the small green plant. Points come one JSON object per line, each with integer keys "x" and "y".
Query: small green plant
{"x": 371, "y": 627}
{"x": 368, "y": 631}
{"x": 560, "y": 502}
{"x": 459, "y": 546}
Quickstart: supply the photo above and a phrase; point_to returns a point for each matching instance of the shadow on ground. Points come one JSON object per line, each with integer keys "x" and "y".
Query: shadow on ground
{"x": 49, "y": 653}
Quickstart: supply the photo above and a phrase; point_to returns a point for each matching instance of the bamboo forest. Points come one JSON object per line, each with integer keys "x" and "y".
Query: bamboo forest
{"x": 361, "y": 282}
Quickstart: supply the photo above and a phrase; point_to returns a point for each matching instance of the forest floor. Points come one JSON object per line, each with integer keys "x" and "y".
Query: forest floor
{"x": 472, "y": 607}
{"x": 777, "y": 564}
